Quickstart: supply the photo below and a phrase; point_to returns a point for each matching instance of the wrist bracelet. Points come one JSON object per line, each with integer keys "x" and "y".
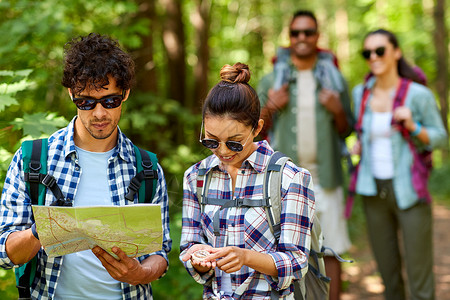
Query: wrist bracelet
{"x": 417, "y": 130}
{"x": 33, "y": 231}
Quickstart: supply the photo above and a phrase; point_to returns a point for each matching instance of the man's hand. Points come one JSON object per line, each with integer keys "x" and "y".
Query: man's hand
{"x": 330, "y": 100}
{"x": 22, "y": 246}
{"x": 277, "y": 99}
{"x": 124, "y": 269}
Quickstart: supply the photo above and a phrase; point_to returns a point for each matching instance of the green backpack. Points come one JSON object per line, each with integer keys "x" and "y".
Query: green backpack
{"x": 315, "y": 284}
{"x": 34, "y": 156}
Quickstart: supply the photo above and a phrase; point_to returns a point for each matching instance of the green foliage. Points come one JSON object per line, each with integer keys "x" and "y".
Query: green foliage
{"x": 13, "y": 82}
{"x": 30, "y": 125}
{"x": 439, "y": 184}
{"x": 36, "y": 124}
{"x": 33, "y": 103}
{"x": 8, "y": 288}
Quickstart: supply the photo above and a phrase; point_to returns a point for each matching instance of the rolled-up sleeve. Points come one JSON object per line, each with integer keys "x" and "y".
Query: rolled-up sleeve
{"x": 298, "y": 205}
{"x": 191, "y": 229}
{"x": 15, "y": 207}
{"x": 426, "y": 112}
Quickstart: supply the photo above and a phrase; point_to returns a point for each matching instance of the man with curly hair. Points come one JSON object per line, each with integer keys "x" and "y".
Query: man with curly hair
{"x": 93, "y": 163}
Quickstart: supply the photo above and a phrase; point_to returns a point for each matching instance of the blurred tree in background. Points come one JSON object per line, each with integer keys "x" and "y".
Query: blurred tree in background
{"x": 179, "y": 48}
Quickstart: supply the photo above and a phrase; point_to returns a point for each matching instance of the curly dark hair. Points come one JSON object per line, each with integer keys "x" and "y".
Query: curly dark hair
{"x": 89, "y": 60}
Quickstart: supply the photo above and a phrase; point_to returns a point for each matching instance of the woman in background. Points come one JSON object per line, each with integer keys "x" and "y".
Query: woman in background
{"x": 392, "y": 100}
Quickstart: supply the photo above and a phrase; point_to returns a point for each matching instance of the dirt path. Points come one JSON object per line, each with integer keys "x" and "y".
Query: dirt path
{"x": 364, "y": 282}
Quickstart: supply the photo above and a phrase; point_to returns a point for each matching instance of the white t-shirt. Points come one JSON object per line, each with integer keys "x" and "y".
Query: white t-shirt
{"x": 82, "y": 274}
{"x": 306, "y": 122}
{"x": 381, "y": 146}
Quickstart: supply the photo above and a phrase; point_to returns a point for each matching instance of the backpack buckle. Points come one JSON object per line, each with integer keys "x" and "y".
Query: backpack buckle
{"x": 61, "y": 202}
{"x": 134, "y": 184}
{"x": 48, "y": 180}
{"x": 239, "y": 202}
{"x": 32, "y": 177}
{"x": 149, "y": 174}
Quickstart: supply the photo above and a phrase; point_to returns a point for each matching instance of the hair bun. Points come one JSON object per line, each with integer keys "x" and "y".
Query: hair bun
{"x": 238, "y": 73}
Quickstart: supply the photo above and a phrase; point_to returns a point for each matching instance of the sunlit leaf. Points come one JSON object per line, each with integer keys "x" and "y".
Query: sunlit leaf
{"x": 38, "y": 124}
{"x": 6, "y": 100}
{"x": 11, "y": 88}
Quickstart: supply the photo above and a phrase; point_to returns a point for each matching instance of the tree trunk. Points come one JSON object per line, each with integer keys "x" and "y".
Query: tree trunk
{"x": 201, "y": 21}
{"x": 441, "y": 43}
{"x": 146, "y": 79}
{"x": 174, "y": 43}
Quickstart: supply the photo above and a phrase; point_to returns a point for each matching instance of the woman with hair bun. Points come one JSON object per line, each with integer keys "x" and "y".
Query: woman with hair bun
{"x": 231, "y": 250}
{"x": 398, "y": 123}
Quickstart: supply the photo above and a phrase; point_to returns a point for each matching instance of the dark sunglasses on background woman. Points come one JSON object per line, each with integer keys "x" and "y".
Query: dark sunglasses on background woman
{"x": 367, "y": 53}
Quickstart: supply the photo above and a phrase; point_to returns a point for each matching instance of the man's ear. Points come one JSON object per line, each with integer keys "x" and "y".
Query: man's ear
{"x": 127, "y": 94}
{"x": 70, "y": 93}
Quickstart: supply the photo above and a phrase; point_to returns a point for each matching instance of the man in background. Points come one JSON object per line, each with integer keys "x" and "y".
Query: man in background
{"x": 306, "y": 109}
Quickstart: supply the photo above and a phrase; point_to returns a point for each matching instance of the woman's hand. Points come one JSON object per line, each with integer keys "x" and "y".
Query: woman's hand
{"x": 229, "y": 259}
{"x": 402, "y": 114}
{"x": 356, "y": 149}
{"x": 200, "y": 266}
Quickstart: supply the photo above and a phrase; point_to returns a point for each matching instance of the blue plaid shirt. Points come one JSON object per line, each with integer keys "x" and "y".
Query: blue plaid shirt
{"x": 63, "y": 165}
{"x": 248, "y": 227}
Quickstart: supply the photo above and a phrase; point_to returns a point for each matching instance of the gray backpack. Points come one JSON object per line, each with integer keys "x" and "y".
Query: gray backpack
{"x": 315, "y": 284}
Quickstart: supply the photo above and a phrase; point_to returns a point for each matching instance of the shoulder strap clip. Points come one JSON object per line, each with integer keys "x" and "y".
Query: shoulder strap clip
{"x": 48, "y": 181}
{"x": 149, "y": 174}
{"x": 32, "y": 177}
{"x": 35, "y": 166}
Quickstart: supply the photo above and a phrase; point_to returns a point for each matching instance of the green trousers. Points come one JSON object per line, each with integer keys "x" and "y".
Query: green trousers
{"x": 385, "y": 223}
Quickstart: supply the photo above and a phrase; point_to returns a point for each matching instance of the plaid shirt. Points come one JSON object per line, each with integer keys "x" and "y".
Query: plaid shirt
{"x": 63, "y": 165}
{"x": 248, "y": 227}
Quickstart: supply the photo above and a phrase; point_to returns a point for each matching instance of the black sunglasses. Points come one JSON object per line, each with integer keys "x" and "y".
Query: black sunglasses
{"x": 367, "y": 53}
{"x": 108, "y": 102}
{"x": 306, "y": 32}
{"x": 214, "y": 144}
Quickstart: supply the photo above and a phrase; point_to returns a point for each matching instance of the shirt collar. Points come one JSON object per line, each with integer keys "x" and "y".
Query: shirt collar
{"x": 259, "y": 159}
{"x": 69, "y": 144}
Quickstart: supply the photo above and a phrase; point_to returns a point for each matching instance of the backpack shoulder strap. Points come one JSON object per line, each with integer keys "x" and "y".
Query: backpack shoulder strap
{"x": 203, "y": 181}
{"x": 35, "y": 155}
{"x": 34, "y": 158}
{"x": 272, "y": 190}
{"x": 362, "y": 108}
{"x": 399, "y": 100}
{"x": 147, "y": 171}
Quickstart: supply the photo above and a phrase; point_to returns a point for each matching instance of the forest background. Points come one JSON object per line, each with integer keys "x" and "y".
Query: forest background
{"x": 179, "y": 47}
